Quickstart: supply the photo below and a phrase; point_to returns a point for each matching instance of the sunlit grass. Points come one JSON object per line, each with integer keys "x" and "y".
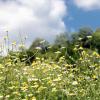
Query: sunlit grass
{"x": 46, "y": 79}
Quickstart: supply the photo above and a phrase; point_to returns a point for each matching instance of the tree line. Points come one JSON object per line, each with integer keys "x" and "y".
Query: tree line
{"x": 63, "y": 46}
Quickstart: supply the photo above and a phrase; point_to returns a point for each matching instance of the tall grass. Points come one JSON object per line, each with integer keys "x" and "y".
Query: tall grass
{"x": 46, "y": 79}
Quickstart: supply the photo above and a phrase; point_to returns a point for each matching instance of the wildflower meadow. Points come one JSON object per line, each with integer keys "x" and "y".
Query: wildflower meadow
{"x": 50, "y": 75}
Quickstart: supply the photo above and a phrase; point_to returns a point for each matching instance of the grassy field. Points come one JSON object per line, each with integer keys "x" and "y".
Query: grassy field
{"x": 49, "y": 49}
{"x": 46, "y": 79}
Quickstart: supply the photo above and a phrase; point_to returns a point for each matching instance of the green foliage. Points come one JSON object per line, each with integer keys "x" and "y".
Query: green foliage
{"x": 36, "y": 43}
{"x": 82, "y": 37}
{"x": 64, "y": 70}
{"x": 39, "y": 42}
{"x": 61, "y": 40}
{"x": 96, "y": 39}
{"x": 51, "y": 80}
{"x": 85, "y": 31}
{"x": 25, "y": 56}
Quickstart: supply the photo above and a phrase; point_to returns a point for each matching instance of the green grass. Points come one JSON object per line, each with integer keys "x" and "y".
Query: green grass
{"x": 51, "y": 80}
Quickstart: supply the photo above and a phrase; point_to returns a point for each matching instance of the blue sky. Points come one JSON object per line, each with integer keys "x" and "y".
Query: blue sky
{"x": 46, "y": 18}
{"x": 79, "y": 18}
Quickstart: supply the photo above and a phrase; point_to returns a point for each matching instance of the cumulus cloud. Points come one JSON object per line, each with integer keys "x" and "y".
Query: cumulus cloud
{"x": 39, "y": 18}
{"x": 88, "y": 4}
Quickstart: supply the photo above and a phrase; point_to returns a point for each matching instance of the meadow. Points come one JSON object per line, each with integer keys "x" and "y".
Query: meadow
{"x": 47, "y": 78}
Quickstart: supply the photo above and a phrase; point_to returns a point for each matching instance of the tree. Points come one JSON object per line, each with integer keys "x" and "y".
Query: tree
{"x": 75, "y": 37}
{"x": 41, "y": 43}
{"x": 61, "y": 40}
{"x": 85, "y": 31}
{"x": 96, "y": 39}
{"x": 83, "y": 35}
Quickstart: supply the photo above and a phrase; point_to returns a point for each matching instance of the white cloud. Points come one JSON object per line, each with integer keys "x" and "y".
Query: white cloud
{"x": 88, "y": 4}
{"x": 40, "y": 18}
